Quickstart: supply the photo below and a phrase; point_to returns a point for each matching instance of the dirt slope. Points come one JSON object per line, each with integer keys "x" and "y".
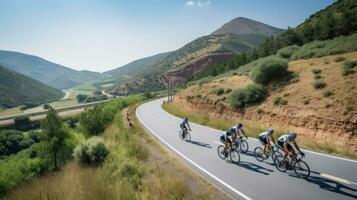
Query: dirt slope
{"x": 308, "y": 110}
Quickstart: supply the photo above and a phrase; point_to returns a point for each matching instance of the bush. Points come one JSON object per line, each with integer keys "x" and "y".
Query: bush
{"x": 81, "y": 97}
{"x": 46, "y": 106}
{"x": 229, "y": 90}
{"x": 92, "y": 151}
{"x": 272, "y": 69}
{"x": 288, "y": 51}
{"x": 23, "y": 123}
{"x": 12, "y": 141}
{"x": 316, "y": 71}
{"x": 317, "y": 76}
{"x": 93, "y": 121}
{"x": 348, "y": 67}
{"x": 339, "y": 59}
{"x": 148, "y": 95}
{"x": 218, "y": 91}
{"x": 319, "y": 84}
{"x": 280, "y": 101}
{"x": 249, "y": 95}
{"x": 327, "y": 93}
{"x": 306, "y": 101}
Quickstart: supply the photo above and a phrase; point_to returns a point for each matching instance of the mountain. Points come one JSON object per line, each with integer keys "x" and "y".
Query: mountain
{"x": 129, "y": 70}
{"x": 193, "y": 57}
{"x": 47, "y": 72}
{"x": 245, "y": 26}
{"x": 17, "y": 89}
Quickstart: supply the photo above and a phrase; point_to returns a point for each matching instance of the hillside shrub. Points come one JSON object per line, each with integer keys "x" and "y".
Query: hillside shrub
{"x": 92, "y": 121}
{"x": 280, "y": 101}
{"x": 92, "y": 151}
{"x": 316, "y": 71}
{"x": 12, "y": 141}
{"x": 339, "y": 59}
{"x": 288, "y": 51}
{"x": 218, "y": 91}
{"x": 348, "y": 66}
{"x": 249, "y": 95}
{"x": 327, "y": 93}
{"x": 319, "y": 84}
{"x": 228, "y": 90}
{"x": 273, "y": 69}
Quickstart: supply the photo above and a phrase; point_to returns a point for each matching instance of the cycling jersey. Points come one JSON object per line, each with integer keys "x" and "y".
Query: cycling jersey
{"x": 184, "y": 122}
{"x": 265, "y": 134}
{"x": 285, "y": 139}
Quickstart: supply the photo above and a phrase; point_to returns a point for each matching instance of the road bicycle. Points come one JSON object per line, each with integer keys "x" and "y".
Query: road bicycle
{"x": 231, "y": 152}
{"x": 300, "y": 167}
{"x": 260, "y": 155}
{"x": 185, "y": 134}
{"x": 242, "y": 144}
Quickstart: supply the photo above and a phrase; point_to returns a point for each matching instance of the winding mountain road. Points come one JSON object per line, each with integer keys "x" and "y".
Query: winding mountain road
{"x": 331, "y": 177}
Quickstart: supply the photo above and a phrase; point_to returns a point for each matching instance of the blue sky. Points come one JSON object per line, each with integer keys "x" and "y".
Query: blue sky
{"x": 99, "y": 35}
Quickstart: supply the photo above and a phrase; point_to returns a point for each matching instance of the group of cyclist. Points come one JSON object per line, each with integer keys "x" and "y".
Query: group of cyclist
{"x": 285, "y": 142}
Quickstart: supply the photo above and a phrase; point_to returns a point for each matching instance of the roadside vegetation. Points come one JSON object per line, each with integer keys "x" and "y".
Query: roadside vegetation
{"x": 120, "y": 162}
{"x": 253, "y": 129}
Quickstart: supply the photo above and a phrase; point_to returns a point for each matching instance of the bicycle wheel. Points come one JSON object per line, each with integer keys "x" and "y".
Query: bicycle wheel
{"x": 181, "y": 135}
{"x": 275, "y": 154}
{"x": 301, "y": 169}
{"x": 259, "y": 154}
{"x": 234, "y": 155}
{"x": 220, "y": 151}
{"x": 280, "y": 163}
{"x": 243, "y": 146}
{"x": 188, "y": 137}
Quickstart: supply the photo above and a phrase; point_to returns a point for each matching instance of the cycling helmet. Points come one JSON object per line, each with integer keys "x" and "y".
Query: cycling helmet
{"x": 231, "y": 130}
{"x": 292, "y": 134}
{"x": 239, "y": 125}
{"x": 271, "y": 130}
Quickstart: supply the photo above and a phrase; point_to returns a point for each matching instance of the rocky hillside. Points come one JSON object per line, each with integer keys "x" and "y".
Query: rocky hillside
{"x": 194, "y": 57}
{"x": 17, "y": 89}
{"x": 47, "y": 72}
{"x": 327, "y": 112}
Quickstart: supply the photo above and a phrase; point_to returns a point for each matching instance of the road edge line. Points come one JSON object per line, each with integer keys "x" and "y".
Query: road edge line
{"x": 255, "y": 139}
{"x": 189, "y": 160}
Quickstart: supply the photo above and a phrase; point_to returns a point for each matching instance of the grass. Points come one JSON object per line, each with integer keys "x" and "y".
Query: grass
{"x": 254, "y": 129}
{"x": 129, "y": 172}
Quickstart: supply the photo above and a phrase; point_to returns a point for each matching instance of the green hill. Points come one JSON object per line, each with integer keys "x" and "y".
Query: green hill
{"x": 196, "y": 54}
{"x": 17, "y": 89}
{"x": 245, "y": 26}
{"x": 130, "y": 69}
{"x": 338, "y": 19}
{"x": 52, "y": 74}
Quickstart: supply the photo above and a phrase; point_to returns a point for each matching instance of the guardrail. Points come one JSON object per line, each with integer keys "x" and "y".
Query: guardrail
{"x": 9, "y": 117}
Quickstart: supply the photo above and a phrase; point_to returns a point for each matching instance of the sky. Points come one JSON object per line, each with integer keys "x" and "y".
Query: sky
{"x": 99, "y": 35}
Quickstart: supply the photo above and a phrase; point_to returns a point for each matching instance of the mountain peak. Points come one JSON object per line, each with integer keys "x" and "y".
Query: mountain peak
{"x": 245, "y": 26}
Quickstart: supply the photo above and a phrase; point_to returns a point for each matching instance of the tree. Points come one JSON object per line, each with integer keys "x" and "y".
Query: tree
{"x": 81, "y": 97}
{"x": 54, "y": 133}
{"x": 93, "y": 121}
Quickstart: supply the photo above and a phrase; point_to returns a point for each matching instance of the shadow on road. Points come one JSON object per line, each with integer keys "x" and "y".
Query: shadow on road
{"x": 253, "y": 167}
{"x": 251, "y": 154}
{"x": 331, "y": 185}
{"x": 201, "y": 144}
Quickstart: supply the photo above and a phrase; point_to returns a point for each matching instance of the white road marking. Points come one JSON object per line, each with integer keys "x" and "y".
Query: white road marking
{"x": 335, "y": 178}
{"x": 189, "y": 160}
{"x": 313, "y": 152}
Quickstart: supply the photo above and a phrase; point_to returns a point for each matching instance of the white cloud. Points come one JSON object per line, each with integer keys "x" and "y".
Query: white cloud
{"x": 198, "y": 3}
{"x": 190, "y": 3}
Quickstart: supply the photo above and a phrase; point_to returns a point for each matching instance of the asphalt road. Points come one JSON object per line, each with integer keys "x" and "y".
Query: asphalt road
{"x": 331, "y": 177}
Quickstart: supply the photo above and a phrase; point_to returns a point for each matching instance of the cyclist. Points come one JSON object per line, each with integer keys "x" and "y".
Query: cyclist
{"x": 185, "y": 126}
{"x": 286, "y": 141}
{"x": 225, "y": 139}
{"x": 265, "y": 138}
{"x": 237, "y": 129}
